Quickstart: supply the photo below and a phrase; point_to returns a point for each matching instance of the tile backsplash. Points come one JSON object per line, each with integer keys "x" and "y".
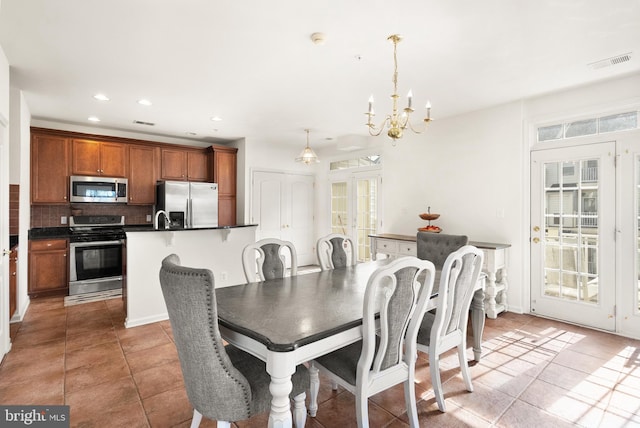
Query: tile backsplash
{"x": 50, "y": 215}
{"x": 14, "y": 211}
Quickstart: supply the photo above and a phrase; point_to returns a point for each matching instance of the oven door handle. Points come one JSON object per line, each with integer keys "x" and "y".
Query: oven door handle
{"x": 96, "y": 243}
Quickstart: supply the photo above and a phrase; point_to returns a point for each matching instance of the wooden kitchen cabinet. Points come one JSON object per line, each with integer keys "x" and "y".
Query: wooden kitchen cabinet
{"x": 198, "y": 166}
{"x": 224, "y": 173}
{"x": 13, "y": 281}
{"x": 99, "y": 158}
{"x": 173, "y": 164}
{"x": 142, "y": 175}
{"x": 184, "y": 165}
{"x": 48, "y": 267}
{"x": 49, "y": 169}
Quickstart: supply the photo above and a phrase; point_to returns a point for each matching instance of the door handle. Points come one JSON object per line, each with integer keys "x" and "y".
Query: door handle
{"x": 6, "y": 252}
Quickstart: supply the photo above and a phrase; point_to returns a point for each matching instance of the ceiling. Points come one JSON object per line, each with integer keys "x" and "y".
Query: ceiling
{"x": 253, "y": 64}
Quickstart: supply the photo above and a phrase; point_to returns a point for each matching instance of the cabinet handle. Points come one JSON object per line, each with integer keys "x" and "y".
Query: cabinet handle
{"x": 64, "y": 197}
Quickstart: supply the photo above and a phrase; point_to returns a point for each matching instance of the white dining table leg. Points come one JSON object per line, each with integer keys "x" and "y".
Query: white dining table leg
{"x": 280, "y": 367}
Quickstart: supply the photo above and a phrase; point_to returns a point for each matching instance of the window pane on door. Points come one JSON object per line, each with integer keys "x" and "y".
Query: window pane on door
{"x": 367, "y": 215}
{"x": 339, "y": 207}
{"x": 571, "y": 232}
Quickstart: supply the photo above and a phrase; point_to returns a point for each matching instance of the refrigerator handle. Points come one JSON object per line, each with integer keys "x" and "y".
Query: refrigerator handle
{"x": 189, "y": 213}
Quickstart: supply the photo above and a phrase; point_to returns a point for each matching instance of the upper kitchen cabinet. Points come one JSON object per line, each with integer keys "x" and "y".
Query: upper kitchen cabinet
{"x": 185, "y": 165}
{"x": 49, "y": 169}
{"x": 142, "y": 175}
{"x": 224, "y": 173}
{"x": 99, "y": 158}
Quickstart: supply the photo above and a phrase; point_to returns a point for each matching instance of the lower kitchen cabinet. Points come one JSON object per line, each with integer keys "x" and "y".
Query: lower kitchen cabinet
{"x": 13, "y": 280}
{"x": 48, "y": 267}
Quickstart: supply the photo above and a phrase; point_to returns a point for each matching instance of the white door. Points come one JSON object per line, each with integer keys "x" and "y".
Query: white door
{"x": 5, "y": 344}
{"x": 629, "y": 238}
{"x": 283, "y": 208}
{"x": 573, "y": 228}
{"x": 355, "y": 203}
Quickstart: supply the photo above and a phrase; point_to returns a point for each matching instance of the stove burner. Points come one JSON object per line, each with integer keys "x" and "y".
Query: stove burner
{"x": 89, "y": 228}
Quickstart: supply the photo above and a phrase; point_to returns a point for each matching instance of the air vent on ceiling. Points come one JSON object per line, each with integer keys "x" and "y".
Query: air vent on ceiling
{"x": 611, "y": 61}
{"x": 140, "y": 122}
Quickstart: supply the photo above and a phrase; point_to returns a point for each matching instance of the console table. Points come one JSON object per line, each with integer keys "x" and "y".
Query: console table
{"x": 495, "y": 265}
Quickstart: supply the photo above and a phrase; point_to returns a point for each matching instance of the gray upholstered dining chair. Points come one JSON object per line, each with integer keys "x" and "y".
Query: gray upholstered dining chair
{"x": 447, "y": 328}
{"x": 335, "y": 250}
{"x": 386, "y": 355}
{"x": 436, "y": 247}
{"x": 223, "y": 383}
{"x": 270, "y": 262}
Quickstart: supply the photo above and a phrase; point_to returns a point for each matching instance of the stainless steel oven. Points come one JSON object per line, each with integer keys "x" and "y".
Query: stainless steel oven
{"x": 95, "y": 262}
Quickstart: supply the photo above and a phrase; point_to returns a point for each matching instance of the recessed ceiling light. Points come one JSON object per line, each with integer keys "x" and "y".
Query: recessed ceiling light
{"x": 101, "y": 97}
{"x": 93, "y": 119}
{"x": 144, "y": 102}
{"x": 191, "y": 133}
{"x": 216, "y": 118}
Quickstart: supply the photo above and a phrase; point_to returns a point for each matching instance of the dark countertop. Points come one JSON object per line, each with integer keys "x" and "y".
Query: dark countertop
{"x": 149, "y": 228}
{"x": 64, "y": 232}
{"x": 48, "y": 232}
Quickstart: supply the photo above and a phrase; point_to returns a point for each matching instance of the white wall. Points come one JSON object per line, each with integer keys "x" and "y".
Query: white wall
{"x": 260, "y": 156}
{"x": 74, "y": 127}
{"x": 468, "y": 169}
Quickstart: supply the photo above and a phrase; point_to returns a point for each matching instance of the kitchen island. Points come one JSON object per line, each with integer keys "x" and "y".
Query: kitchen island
{"x": 218, "y": 249}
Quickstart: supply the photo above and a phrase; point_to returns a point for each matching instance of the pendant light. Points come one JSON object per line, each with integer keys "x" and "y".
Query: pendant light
{"x": 307, "y": 156}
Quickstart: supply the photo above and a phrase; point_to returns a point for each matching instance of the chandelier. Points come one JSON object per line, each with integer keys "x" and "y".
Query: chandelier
{"x": 396, "y": 122}
{"x": 307, "y": 156}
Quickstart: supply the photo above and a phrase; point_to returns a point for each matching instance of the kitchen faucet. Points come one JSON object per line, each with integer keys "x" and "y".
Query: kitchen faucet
{"x": 166, "y": 219}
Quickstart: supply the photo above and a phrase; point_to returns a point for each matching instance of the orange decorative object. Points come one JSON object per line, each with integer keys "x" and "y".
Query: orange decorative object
{"x": 432, "y": 229}
{"x": 429, "y": 216}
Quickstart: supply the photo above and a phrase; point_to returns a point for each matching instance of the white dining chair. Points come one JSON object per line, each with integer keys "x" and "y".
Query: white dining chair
{"x": 447, "y": 328}
{"x": 265, "y": 259}
{"x": 223, "y": 383}
{"x": 335, "y": 251}
{"x": 386, "y": 355}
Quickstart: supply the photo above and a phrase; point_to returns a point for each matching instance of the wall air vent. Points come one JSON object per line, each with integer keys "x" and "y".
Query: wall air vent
{"x": 611, "y": 61}
{"x": 140, "y": 122}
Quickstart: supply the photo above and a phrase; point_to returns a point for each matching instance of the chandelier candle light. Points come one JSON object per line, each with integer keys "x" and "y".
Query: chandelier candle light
{"x": 396, "y": 122}
{"x": 307, "y": 156}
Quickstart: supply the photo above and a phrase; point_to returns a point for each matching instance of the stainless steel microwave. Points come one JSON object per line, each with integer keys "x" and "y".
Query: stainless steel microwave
{"x": 98, "y": 189}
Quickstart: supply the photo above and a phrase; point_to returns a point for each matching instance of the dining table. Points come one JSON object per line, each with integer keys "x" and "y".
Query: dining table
{"x": 291, "y": 320}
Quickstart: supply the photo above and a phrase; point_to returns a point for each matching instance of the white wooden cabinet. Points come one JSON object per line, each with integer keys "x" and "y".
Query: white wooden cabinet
{"x": 495, "y": 265}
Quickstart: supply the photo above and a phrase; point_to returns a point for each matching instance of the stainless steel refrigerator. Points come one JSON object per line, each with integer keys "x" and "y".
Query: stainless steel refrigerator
{"x": 188, "y": 204}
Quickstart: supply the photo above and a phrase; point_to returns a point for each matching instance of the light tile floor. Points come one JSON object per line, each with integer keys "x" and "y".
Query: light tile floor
{"x": 534, "y": 372}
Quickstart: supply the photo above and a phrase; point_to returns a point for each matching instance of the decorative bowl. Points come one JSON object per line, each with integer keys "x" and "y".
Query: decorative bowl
{"x": 429, "y": 216}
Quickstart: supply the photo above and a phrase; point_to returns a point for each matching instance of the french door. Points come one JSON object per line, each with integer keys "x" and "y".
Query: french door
{"x": 585, "y": 241}
{"x": 629, "y": 236}
{"x": 355, "y": 202}
{"x": 573, "y": 228}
